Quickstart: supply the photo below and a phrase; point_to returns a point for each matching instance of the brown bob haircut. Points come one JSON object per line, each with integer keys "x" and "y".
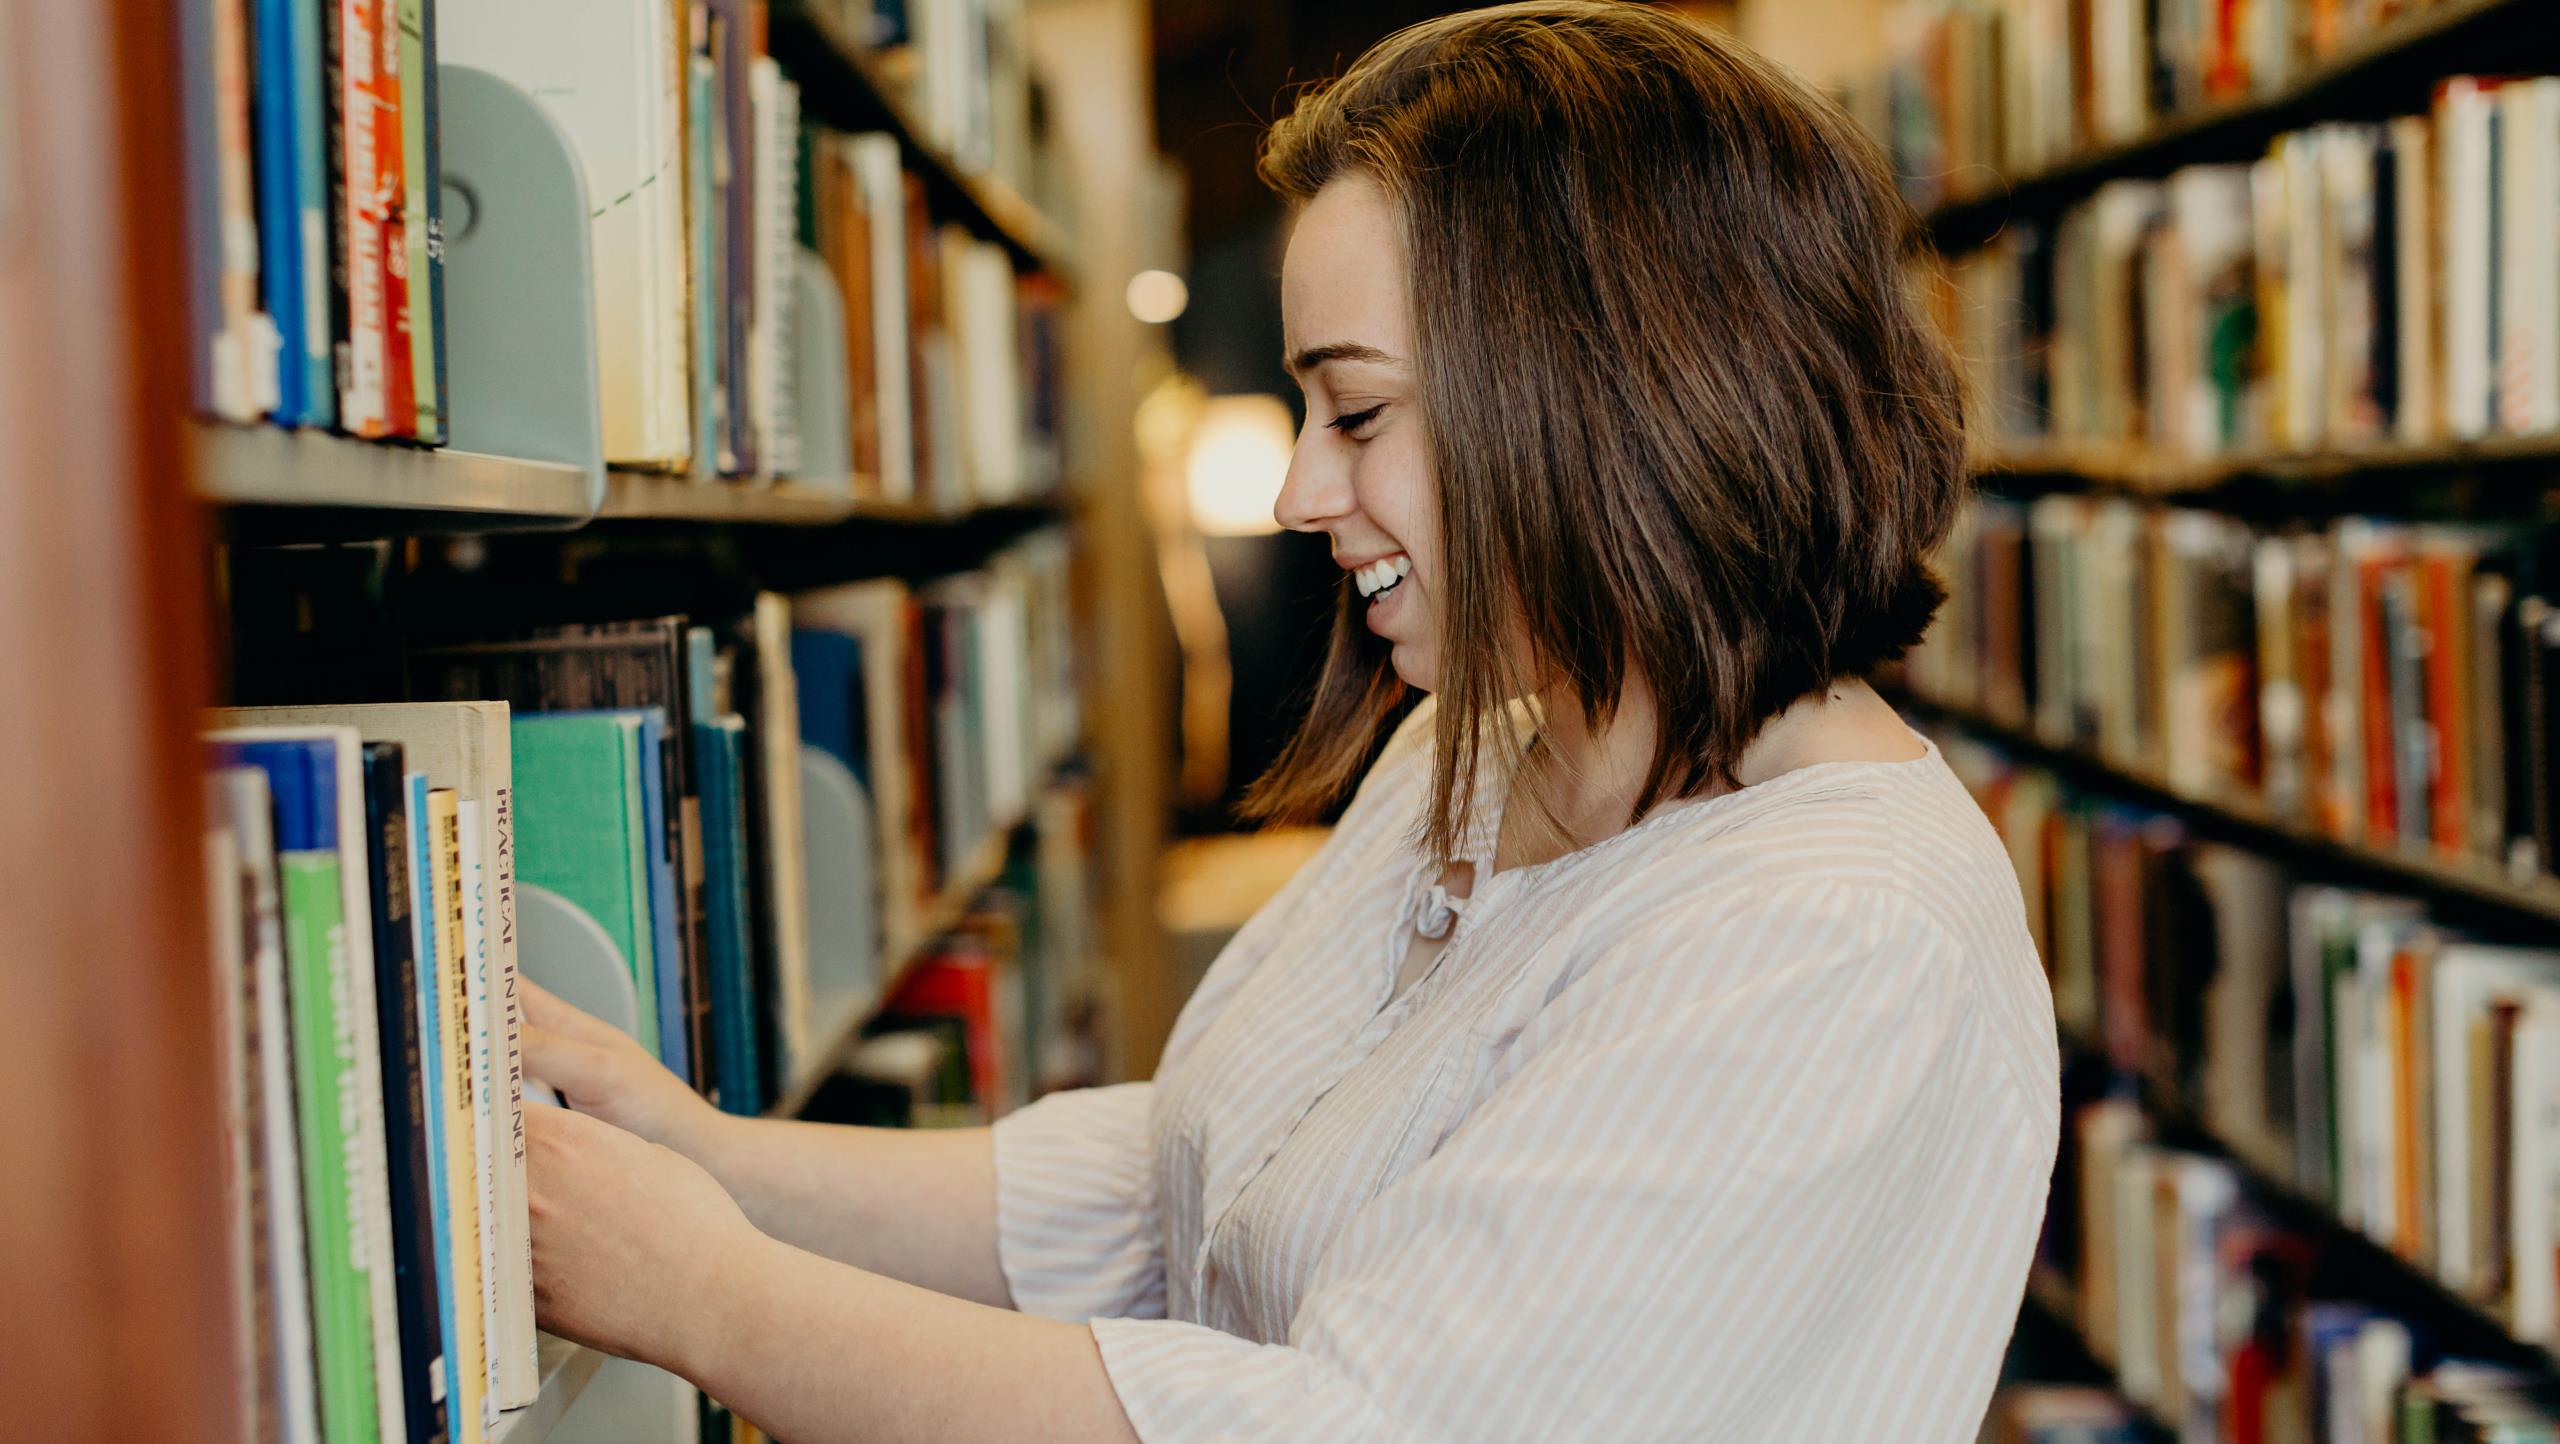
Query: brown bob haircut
{"x": 1686, "y": 415}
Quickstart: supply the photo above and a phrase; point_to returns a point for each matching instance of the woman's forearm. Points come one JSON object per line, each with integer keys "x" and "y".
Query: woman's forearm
{"x": 913, "y": 1206}
{"x": 815, "y": 1351}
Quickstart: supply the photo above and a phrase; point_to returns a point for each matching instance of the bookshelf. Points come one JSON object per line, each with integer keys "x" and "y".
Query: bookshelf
{"x": 2353, "y": 1264}
{"x": 2051, "y": 1311}
{"x": 900, "y": 952}
{"x": 2410, "y": 45}
{"x": 118, "y": 308}
{"x": 846, "y": 88}
{"x": 2473, "y": 890}
{"x": 2525, "y": 461}
{"x": 566, "y": 1370}
{"x": 378, "y": 487}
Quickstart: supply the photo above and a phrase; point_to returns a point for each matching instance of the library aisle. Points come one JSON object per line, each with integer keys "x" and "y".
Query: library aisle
{"x": 753, "y": 516}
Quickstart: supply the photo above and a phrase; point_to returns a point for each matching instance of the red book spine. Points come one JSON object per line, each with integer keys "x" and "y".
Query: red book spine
{"x": 2443, "y": 615}
{"x": 391, "y": 186}
{"x": 360, "y": 399}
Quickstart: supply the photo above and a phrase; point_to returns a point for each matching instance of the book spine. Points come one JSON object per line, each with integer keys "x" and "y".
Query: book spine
{"x": 325, "y": 1069}
{"x": 354, "y": 56}
{"x": 519, "y": 1371}
{"x": 426, "y": 929}
{"x": 404, "y": 1103}
{"x": 473, "y": 1408}
{"x": 394, "y": 189}
{"x": 488, "y": 1113}
{"x": 426, "y": 257}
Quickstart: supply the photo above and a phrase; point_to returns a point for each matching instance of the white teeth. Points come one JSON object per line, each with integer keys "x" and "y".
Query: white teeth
{"x": 1380, "y": 575}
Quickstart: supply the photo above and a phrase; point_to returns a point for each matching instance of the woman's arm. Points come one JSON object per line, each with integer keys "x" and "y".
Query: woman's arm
{"x": 919, "y": 1207}
{"x": 640, "y": 1252}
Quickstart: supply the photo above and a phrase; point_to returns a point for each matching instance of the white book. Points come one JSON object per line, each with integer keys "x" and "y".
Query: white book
{"x": 2382, "y": 1368}
{"x": 2464, "y": 111}
{"x": 988, "y": 336}
{"x": 774, "y": 218}
{"x": 882, "y": 192}
{"x": 2466, "y": 980}
{"x": 480, "y": 1017}
{"x": 2303, "y": 411}
{"x": 2534, "y": 1205}
{"x": 2139, "y": 1367}
{"x": 278, "y": 1152}
{"x": 611, "y": 75}
{"x": 2528, "y": 209}
{"x": 369, "y": 1164}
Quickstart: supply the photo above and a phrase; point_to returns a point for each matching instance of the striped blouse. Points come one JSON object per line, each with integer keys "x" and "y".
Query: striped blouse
{"x": 1734, "y": 1126}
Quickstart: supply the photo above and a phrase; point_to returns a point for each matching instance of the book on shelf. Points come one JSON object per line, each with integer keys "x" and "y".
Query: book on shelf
{"x": 2340, "y": 1043}
{"x": 464, "y": 748}
{"x": 2361, "y": 285}
{"x": 2378, "y": 682}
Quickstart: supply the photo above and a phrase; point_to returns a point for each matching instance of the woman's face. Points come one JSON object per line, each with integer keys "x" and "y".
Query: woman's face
{"x": 1361, "y": 473}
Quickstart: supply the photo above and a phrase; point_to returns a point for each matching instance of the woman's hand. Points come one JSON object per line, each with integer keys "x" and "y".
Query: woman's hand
{"x": 605, "y": 1073}
{"x": 632, "y": 1242}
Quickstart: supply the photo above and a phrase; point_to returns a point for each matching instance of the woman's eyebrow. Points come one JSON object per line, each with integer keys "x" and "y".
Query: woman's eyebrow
{"x": 1315, "y": 356}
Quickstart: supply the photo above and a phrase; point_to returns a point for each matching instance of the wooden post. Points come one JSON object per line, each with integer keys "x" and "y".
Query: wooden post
{"x": 113, "y": 1259}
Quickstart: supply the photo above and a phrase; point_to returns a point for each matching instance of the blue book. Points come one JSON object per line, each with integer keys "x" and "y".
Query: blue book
{"x": 674, "y": 1031}
{"x": 424, "y": 941}
{"x": 827, "y": 669}
{"x": 293, "y": 189}
{"x": 735, "y": 1069}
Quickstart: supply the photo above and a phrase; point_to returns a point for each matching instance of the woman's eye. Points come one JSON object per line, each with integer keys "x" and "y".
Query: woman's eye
{"x": 1351, "y": 421}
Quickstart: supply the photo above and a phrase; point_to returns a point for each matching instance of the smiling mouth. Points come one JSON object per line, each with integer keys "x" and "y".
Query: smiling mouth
{"x": 1382, "y": 576}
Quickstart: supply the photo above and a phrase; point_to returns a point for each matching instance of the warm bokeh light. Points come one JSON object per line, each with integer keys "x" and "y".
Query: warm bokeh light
{"x": 1238, "y": 457}
{"x": 1156, "y": 297}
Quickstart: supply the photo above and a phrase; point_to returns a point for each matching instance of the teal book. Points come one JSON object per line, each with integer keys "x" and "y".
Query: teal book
{"x": 720, "y": 748}
{"x": 327, "y": 1066}
{"x": 582, "y": 831}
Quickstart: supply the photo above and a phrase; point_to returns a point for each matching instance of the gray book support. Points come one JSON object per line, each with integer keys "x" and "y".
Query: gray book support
{"x": 818, "y": 370}
{"x": 519, "y": 288}
{"x": 837, "y": 831}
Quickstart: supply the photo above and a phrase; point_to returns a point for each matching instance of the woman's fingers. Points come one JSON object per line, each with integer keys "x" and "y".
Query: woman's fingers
{"x": 543, "y": 1009}
{"x": 580, "y": 1070}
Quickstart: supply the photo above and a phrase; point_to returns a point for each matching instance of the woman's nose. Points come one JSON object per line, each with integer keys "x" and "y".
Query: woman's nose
{"x": 1316, "y": 490}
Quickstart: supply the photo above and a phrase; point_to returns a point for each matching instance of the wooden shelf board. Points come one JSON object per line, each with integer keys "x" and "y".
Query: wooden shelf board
{"x": 640, "y": 494}
{"x": 2474, "y": 886}
{"x": 566, "y": 1369}
{"x": 2146, "y": 472}
{"x": 841, "y": 84}
{"x": 271, "y": 466}
{"x": 1968, "y": 219}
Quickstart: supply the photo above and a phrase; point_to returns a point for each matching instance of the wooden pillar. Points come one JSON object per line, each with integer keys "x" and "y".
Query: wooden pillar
{"x": 113, "y": 1261}
{"x": 1094, "y": 58}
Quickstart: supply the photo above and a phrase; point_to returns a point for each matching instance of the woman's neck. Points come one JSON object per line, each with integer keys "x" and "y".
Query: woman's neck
{"x": 1587, "y": 779}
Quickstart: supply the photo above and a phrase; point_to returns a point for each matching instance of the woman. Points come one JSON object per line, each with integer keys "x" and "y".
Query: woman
{"x": 1655, "y": 1049}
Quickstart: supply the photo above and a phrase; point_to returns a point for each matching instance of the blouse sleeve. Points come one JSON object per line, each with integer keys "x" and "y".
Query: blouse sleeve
{"x": 1077, "y": 1229}
{"x": 1768, "y": 1184}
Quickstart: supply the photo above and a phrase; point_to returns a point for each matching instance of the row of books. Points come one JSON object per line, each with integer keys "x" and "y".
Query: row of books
{"x": 902, "y": 727}
{"x": 2379, "y": 682}
{"x": 314, "y": 220}
{"x": 2362, "y": 284}
{"x": 315, "y": 156}
{"x": 2340, "y": 1042}
{"x": 960, "y": 69}
{"x": 632, "y": 807}
{"x": 952, "y": 369}
{"x": 2204, "y": 1305}
{"x": 1978, "y": 89}
{"x": 364, "y": 932}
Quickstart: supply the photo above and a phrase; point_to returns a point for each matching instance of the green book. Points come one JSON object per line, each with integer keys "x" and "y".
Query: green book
{"x": 328, "y": 1069}
{"x": 582, "y": 831}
